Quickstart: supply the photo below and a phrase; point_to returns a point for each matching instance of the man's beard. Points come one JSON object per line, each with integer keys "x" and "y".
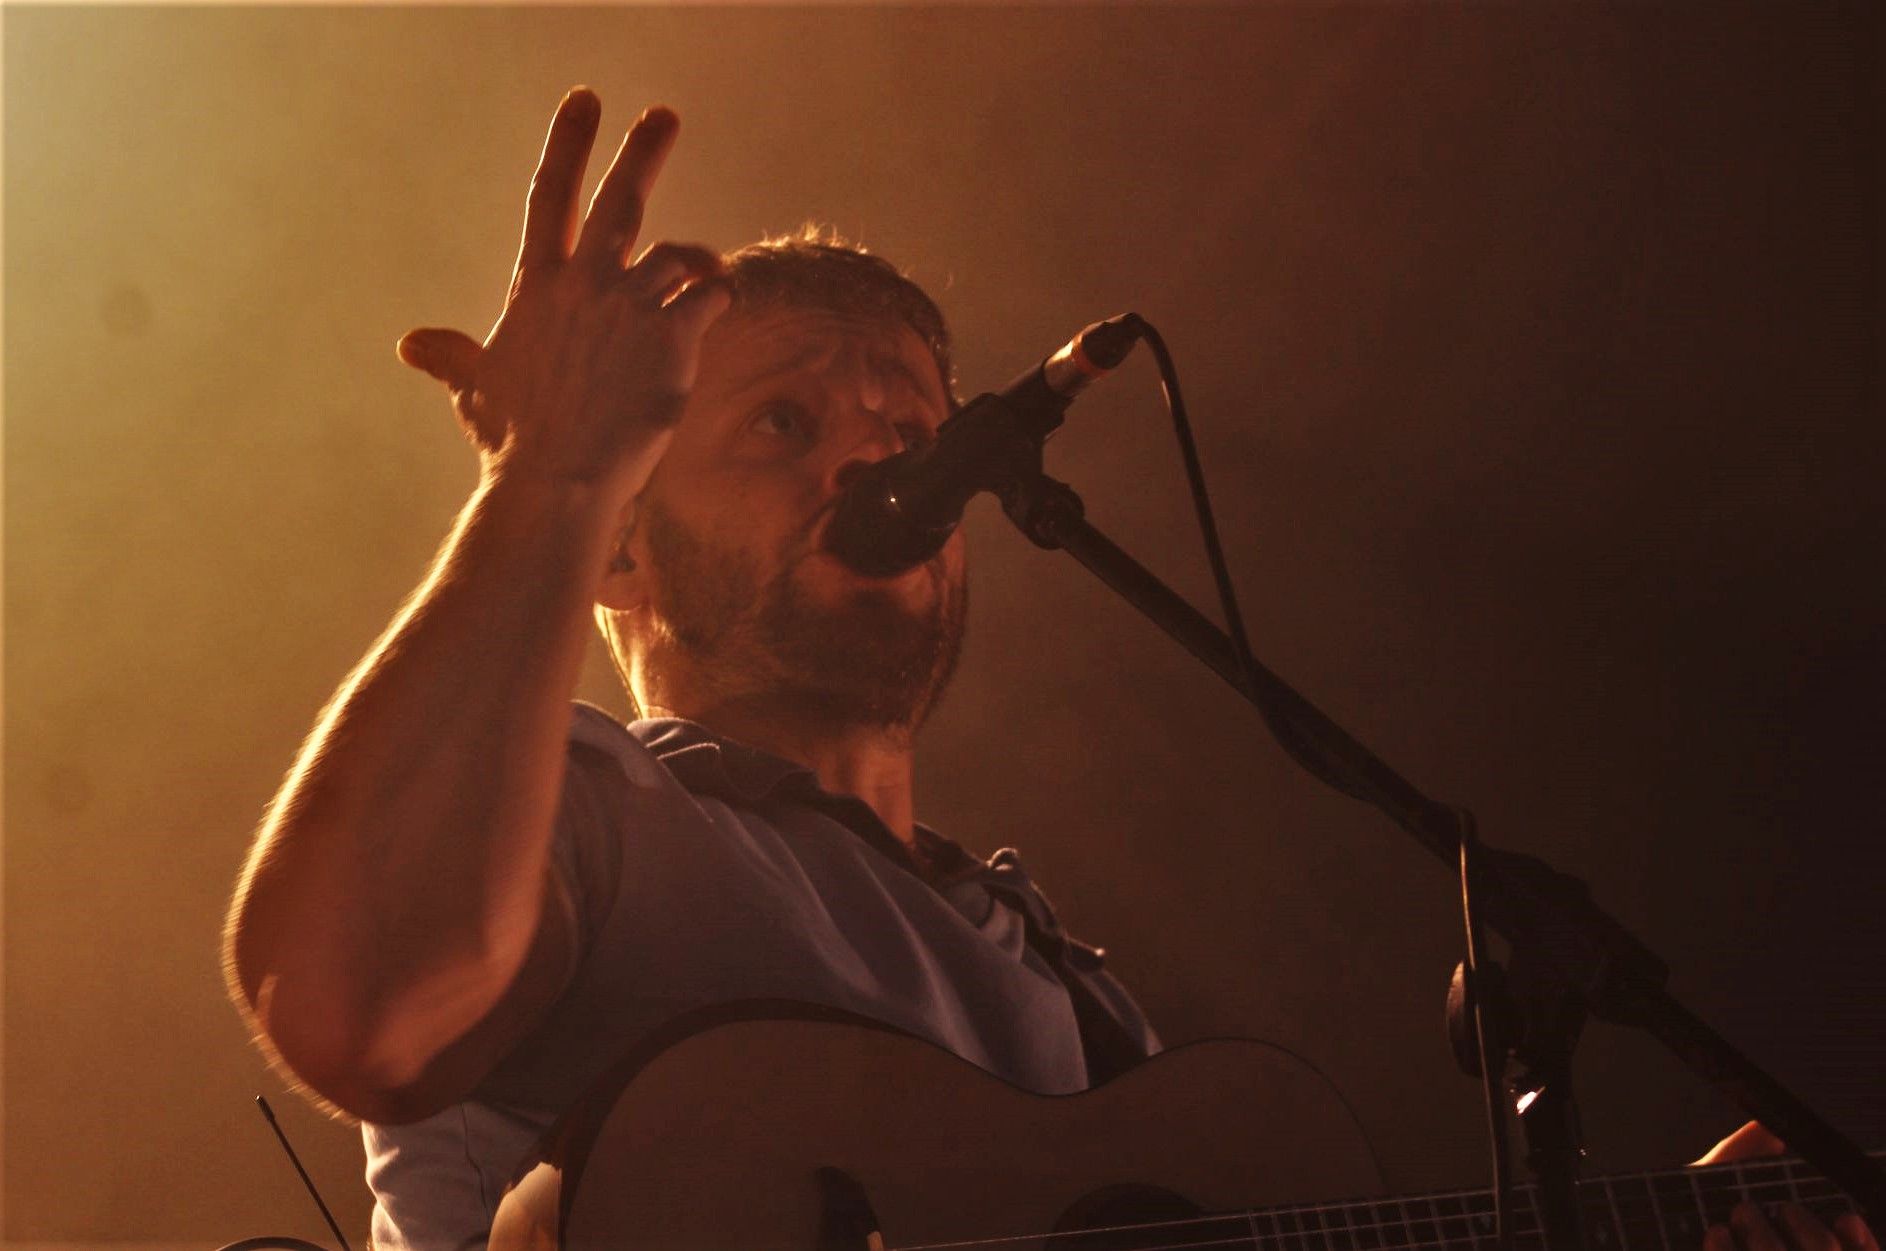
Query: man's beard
{"x": 869, "y": 660}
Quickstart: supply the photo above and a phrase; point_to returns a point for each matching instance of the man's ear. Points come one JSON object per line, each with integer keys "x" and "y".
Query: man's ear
{"x": 624, "y": 584}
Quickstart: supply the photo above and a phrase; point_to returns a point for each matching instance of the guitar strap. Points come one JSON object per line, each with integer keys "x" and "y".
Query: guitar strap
{"x": 1109, "y": 1047}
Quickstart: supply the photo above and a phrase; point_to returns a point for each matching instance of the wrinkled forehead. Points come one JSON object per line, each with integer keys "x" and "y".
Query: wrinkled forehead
{"x": 749, "y": 347}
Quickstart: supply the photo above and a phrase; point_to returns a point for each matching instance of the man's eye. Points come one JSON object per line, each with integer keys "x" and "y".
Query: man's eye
{"x": 787, "y": 420}
{"x": 916, "y": 436}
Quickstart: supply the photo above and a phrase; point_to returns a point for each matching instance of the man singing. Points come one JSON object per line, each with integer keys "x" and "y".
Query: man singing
{"x": 467, "y": 900}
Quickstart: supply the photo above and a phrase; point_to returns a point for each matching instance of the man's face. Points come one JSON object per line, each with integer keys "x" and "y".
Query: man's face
{"x": 788, "y": 404}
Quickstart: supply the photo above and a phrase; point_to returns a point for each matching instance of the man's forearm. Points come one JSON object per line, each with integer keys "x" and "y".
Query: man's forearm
{"x": 387, "y": 934}
{"x": 398, "y": 878}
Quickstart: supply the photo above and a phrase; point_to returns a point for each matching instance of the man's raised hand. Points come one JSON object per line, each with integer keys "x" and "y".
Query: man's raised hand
{"x": 587, "y": 369}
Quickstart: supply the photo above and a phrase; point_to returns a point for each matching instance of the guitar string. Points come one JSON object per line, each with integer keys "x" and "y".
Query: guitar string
{"x": 1258, "y": 1240}
{"x": 1250, "y": 1240}
{"x": 1808, "y": 1191}
{"x": 1401, "y": 1223}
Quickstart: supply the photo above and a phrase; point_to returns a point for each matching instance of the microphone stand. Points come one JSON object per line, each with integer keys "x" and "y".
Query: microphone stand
{"x": 1569, "y": 957}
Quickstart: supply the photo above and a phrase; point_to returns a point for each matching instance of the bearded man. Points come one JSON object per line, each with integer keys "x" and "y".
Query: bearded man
{"x": 467, "y": 900}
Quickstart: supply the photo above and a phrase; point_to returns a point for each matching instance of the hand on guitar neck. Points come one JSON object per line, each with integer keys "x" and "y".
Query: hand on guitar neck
{"x": 1749, "y": 1229}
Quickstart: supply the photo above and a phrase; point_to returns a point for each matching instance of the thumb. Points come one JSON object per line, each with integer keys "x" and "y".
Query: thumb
{"x": 1750, "y": 1142}
{"x": 447, "y": 355}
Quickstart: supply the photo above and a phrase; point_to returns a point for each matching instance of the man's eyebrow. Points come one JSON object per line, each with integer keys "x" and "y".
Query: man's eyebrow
{"x": 897, "y": 365}
{"x": 805, "y": 357}
{"x": 885, "y": 361}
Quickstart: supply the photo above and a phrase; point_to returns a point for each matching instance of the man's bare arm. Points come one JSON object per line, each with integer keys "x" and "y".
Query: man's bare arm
{"x": 395, "y": 929}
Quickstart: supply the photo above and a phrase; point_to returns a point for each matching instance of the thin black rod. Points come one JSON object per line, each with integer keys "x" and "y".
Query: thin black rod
{"x": 1492, "y": 1059}
{"x": 268, "y": 1114}
{"x": 1432, "y": 823}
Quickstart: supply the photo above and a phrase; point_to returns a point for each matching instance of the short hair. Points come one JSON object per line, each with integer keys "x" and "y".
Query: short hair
{"x": 815, "y": 268}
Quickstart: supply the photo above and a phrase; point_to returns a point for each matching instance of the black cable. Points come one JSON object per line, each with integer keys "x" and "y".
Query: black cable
{"x": 1195, "y": 474}
{"x": 1304, "y": 751}
{"x": 1287, "y": 733}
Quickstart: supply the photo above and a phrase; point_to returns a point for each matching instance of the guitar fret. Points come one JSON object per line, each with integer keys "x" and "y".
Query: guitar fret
{"x": 1679, "y": 1213}
{"x": 1308, "y": 1227}
{"x": 1315, "y": 1236}
{"x": 1788, "y": 1174}
{"x": 1716, "y": 1193}
{"x": 1599, "y": 1231}
{"x": 1814, "y": 1192}
{"x": 1737, "y": 1171}
{"x": 1479, "y": 1208}
{"x": 1264, "y": 1231}
{"x": 1537, "y": 1231}
{"x": 1352, "y": 1222}
{"x": 1336, "y": 1219}
{"x": 1226, "y": 1230}
{"x": 1665, "y": 1211}
{"x": 1424, "y": 1224}
{"x": 1451, "y": 1219}
{"x": 1370, "y": 1235}
{"x": 1318, "y": 1223}
{"x": 1771, "y": 1181}
{"x": 1639, "y": 1213}
{"x": 1407, "y": 1229}
{"x": 1345, "y": 1215}
{"x": 1610, "y": 1226}
{"x": 1291, "y": 1226}
{"x": 1637, "y": 1188}
{"x": 1368, "y": 1229}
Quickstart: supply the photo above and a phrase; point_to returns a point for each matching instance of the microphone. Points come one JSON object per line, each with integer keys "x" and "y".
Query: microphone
{"x": 898, "y": 513}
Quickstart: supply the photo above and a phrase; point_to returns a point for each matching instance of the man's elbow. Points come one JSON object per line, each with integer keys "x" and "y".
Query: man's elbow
{"x": 329, "y": 1046}
{"x": 361, "y": 1073}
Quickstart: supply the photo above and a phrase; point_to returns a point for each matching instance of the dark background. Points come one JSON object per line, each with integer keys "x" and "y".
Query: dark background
{"x": 1533, "y": 353}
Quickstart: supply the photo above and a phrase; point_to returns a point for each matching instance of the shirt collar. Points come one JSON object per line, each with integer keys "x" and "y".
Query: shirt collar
{"x": 715, "y": 766}
{"x": 710, "y": 765}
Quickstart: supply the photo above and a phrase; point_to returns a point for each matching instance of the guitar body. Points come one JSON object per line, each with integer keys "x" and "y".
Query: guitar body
{"x": 714, "y": 1139}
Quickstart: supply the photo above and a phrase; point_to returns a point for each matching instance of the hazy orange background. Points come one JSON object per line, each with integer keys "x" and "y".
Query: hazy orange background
{"x": 1533, "y": 353}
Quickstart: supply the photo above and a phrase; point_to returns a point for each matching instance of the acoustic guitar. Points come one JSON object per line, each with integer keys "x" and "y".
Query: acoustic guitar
{"x": 806, "y": 1129}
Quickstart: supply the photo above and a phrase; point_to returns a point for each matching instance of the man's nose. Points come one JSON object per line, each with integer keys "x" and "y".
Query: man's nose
{"x": 876, "y": 438}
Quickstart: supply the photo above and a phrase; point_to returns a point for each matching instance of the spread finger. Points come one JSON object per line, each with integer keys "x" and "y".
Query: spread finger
{"x": 1752, "y": 1229}
{"x": 694, "y": 308}
{"x": 1806, "y": 1231}
{"x": 1854, "y": 1233}
{"x": 665, "y": 266}
{"x": 615, "y": 212}
{"x": 550, "y": 212}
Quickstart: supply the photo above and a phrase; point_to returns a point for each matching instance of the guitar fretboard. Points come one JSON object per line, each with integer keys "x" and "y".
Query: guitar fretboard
{"x": 1666, "y": 1211}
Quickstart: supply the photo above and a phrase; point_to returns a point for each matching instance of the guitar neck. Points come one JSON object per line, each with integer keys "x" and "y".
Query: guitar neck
{"x": 1665, "y": 1211}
